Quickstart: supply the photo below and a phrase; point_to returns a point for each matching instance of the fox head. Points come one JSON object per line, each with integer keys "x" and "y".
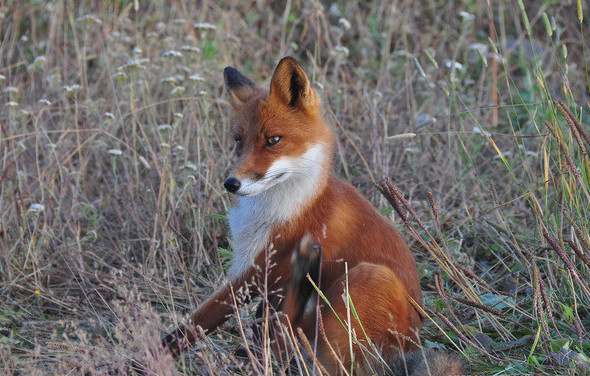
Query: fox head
{"x": 280, "y": 134}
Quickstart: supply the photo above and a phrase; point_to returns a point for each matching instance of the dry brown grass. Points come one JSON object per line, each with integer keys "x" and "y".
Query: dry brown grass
{"x": 114, "y": 143}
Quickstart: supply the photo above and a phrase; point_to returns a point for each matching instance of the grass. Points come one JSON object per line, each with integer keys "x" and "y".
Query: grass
{"x": 114, "y": 143}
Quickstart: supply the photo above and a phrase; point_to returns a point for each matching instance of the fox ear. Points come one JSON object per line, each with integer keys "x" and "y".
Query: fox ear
{"x": 239, "y": 86}
{"x": 290, "y": 86}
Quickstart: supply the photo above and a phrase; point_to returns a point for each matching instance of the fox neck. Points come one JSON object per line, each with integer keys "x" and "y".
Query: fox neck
{"x": 253, "y": 219}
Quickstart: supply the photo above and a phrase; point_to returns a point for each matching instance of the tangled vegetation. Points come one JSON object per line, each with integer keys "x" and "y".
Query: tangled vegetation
{"x": 115, "y": 141}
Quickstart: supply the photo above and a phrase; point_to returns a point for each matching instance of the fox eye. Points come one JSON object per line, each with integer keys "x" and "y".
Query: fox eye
{"x": 273, "y": 140}
{"x": 239, "y": 143}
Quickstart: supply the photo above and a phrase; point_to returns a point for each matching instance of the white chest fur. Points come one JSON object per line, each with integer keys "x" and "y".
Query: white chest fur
{"x": 253, "y": 219}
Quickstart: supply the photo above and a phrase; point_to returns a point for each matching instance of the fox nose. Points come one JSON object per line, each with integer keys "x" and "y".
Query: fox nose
{"x": 232, "y": 184}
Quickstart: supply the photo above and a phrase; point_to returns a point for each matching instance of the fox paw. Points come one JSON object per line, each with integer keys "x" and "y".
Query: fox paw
{"x": 306, "y": 259}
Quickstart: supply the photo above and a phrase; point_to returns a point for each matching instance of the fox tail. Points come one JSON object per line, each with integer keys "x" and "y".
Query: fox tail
{"x": 423, "y": 362}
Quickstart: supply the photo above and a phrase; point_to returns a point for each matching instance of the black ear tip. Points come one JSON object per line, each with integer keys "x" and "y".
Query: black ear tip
{"x": 234, "y": 79}
{"x": 228, "y": 71}
{"x": 288, "y": 60}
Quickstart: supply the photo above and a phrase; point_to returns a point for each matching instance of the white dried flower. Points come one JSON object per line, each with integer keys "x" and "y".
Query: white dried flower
{"x": 482, "y": 48}
{"x": 196, "y": 77}
{"x": 109, "y": 115}
{"x": 186, "y": 48}
{"x": 37, "y": 65}
{"x": 44, "y": 102}
{"x": 189, "y": 166}
{"x": 345, "y": 23}
{"x": 133, "y": 64}
{"x": 12, "y": 104}
{"x": 403, "y": 53}
{"x": 169, "y": 80}
{"x": 499, "y": 58}
{"x": 424, "y": 120}
{"x": 204, "y": 26}
{"x": 91, "y": 235}
{"x": 10, "y": 89}
{"x": 35, "y": 209}
{"x": 120, "y": 76}
{"x": 334, "y": 10}
{"x": 172, "y": 53}
{"x": 454, "y": 65}
{"x": 71, "y": 88}
{"x": 481, "y": 132}
{"x": 177, "y": 90}
{"x": 504, "y": 154}
{"x": 342, "y": 51}
{"x": 115, "y": 152}
{"x": 54, "y": 79}
{"x": 172, "y": 80}
{"x": 466, "y": 16}
{"x": 89, "y": 19}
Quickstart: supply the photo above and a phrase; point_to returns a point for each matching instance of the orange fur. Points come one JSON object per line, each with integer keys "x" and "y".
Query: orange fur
{"x": 350, "y": 231}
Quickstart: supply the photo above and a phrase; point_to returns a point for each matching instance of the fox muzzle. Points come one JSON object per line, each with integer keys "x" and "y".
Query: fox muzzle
{"x": 232, "y": 184}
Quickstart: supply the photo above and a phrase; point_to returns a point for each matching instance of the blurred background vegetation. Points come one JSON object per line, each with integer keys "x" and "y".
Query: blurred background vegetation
{"x": 114, "y": 143}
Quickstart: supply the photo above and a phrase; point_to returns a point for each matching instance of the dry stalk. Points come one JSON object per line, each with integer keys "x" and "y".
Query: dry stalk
{"x": 66, "y": 346}
{"x": 546, "y": 300}
{"x": 573, "y": 127}
{"x": 568, "y": 263}
{"x": 579, "y": 252}
{"x": 574, "y": 124}
{"x": 433, "y": 206}
{"x": 410, "y": 210}
{"x": 568, "y": 157}
{"x": 538, "y": 303}
{"x": 470, "y": 274}
{"x": 343, "y": 130}
{"x": 490, "y": 310}
{"x": 461, "y": 336}
{"x": 310, "y": 351}
{"x": 442, "y": 258}
{"x": 578, "y": 231}
{"x": 440, "y": 289}
{"x": 325, "y": 337}
{"x": 385, "y": 188}
{"x": 492, "y": 36}
{"x": 578, "y": 328}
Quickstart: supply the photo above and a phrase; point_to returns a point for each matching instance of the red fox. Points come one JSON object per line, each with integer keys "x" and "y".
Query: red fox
{"x": 285, "y": 189}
